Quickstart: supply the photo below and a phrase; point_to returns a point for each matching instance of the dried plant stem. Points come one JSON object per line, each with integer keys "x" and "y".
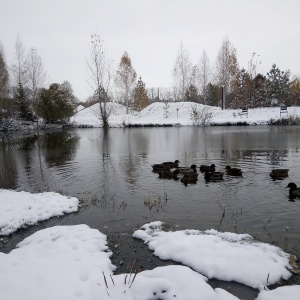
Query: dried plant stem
{"x": 131, "y": 270}
{"x": 105, "y": 279}
{"x": 133, "y": 279}
{"x": 267, "y": 223}
{"x": 112, "y": 280}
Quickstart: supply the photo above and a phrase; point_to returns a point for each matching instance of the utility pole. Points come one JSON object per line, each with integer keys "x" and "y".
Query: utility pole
{"x": 223, "y": 96}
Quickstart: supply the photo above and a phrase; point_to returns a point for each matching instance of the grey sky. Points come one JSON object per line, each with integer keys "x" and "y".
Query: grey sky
{"x": 151, "y": 32}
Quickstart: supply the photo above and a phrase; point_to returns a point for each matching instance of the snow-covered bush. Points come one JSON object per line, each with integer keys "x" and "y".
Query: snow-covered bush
{"x": 200, "y": 117}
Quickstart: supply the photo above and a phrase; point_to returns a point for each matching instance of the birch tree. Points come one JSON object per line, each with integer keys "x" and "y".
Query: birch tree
{"x": 227, "y": 66}
{"x": 204, "y": 75}
{"x": 182, "y": 72}
{"x": 36, "y": 75}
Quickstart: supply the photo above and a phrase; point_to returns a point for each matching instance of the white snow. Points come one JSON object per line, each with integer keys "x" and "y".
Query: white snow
{"x": 179, "y": 114}
{"x": 73, "y": 262}
{"x": 79, "y": 108}
{"x": 285, "y": 292}
{"x": 225, "y": 256}
{"x": 19, "y": 209}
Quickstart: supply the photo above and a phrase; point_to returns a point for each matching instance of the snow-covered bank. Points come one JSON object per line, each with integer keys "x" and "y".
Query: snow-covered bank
{"x": 225, "y": 256}
{"x": 180, "y": 114}
{"x": 20, "y": 209}
{"x": 71, "y": 262}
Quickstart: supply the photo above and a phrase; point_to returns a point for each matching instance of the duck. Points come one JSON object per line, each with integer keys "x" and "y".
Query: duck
{"x": 173, "y": 165}
{"x": 279, "y": 173}
{"x": 233, "y": 171}
{"x": 160, "y": 167}
{"x": 188, "y": 179}
{"x": 192, "y": 170}
{"x": 213, "y": 176}
{"x": 168, "y": 174}
{"x": 294, "y": 190}
{"x": 204, "y": 168}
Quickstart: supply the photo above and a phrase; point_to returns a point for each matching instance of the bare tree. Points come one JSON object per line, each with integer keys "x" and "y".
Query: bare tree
{"x": 125, "y": 78}
{"x": 22, "y": 103}
{"x": 99, "y": 71}
{"x": 253, "y": 65}
{"x": 35, "y": 73}
{"x": 4, "y": 76}
{"x": 227, "y": 66}
{"x": 204, "y": 75}
{"x": 6, "y": 107}
{"x": 182, "y": 72}
{"x": 19, "y": 69}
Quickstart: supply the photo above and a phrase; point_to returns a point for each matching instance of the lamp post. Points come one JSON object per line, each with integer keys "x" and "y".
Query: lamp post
{"x": 223, "y": 96}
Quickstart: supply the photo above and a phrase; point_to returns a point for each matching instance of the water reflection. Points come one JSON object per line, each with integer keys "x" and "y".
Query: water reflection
{"x": 110, "y": 171}
{"x": 58, "y": 147}
{"x": 8, "y": 171}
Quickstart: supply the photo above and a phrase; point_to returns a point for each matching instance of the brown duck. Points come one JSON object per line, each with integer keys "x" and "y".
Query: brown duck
{"x": 233, "y": 171}
{"x": 279, "y": 173}
{"x": 204, "y": 168}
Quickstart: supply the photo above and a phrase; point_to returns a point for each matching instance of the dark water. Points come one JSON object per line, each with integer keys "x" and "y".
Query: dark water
{"x": 110, "y": 172}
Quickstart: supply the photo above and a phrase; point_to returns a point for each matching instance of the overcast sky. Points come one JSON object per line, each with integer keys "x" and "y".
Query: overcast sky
{"x": 151, "y": 32}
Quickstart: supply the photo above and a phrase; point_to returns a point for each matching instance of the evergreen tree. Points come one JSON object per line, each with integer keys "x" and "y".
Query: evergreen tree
{"x": 213, "y": 95}
{"x": 260, "y": 92}
{"x": 243, "y": 90}
{"x": 278, "y": 84}
{"x": 191, "y": 94}
{"x": 22, "y": 103}
{"x": 53, "y": 105}
{"x": 140, "y": 96}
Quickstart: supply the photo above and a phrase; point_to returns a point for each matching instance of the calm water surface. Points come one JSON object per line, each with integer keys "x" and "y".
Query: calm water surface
{"x": 110, "y": 172}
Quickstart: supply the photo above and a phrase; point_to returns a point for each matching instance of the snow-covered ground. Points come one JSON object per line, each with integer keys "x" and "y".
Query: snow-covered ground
{"x": 20, "y": 209}
{"x": 73, "y": 262}
{"x": 179, "y": 113}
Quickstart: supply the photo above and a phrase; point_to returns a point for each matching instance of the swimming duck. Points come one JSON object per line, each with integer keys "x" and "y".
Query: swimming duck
{"x": 213, "y": 176}
{"x": 160, "y": 167}
{"x": 172, "y": 164}
{"x": 233, "y": 171}
{"x": 168, "y": 174}
{"x": 188, "y": 179}
{"x": 192, "y": 170}
{"x": 279, "y": 173}
{"x": 294, "y": 190}
{"x": 204, "y": 168}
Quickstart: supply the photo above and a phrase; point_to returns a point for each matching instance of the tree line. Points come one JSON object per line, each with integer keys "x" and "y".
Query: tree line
{"x": 23, "y": 95}
{"x": 25, "y": 98}
{"x": 225, "y": 84}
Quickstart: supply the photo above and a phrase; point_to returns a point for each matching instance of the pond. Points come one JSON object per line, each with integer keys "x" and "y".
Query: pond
{"x": 110, "y": 172}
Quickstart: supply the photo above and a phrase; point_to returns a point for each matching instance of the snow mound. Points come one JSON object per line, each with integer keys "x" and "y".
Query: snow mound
{"x": 19, "y": 209}
{"x": 224, "y": 256}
